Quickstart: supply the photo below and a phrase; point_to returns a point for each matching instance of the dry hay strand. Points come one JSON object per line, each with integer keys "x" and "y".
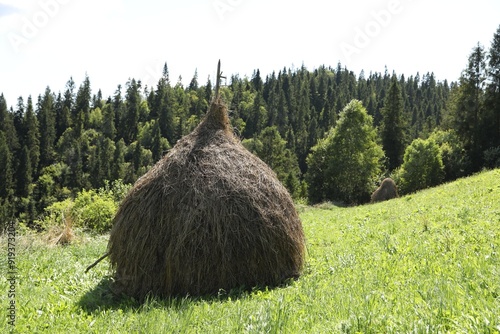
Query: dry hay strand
{"x": 61, "y": 235}
{"x": 208, "y": 216}
{"x": 386, "y": 191}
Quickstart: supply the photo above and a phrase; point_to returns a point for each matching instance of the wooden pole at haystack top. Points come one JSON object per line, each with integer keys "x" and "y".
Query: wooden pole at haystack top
{"x": 217, "y": 82}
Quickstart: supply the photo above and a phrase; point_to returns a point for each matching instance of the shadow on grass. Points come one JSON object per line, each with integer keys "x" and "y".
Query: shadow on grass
{"x": 102, "y": 298}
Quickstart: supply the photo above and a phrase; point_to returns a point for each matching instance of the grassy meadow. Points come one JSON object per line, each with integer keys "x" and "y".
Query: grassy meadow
{"x": 424, "y": 263}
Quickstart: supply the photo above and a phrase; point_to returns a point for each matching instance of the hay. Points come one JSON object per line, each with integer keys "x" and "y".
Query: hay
{"x": 208, "y": 216}
{"x": 61, "y": 235}
{"x": 386, "y": 191}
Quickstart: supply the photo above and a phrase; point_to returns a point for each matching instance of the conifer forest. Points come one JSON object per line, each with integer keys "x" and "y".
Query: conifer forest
{"x": 303, "y": 123}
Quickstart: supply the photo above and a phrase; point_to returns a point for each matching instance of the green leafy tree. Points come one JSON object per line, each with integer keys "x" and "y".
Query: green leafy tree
{"x": 345, "y": 164}
{"x": 392, "y": 130}
{"x": 422, "y": 166}
{"x": 50, "y": 187}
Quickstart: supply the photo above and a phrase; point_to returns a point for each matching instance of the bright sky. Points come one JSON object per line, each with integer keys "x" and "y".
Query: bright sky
{"x": 45, "y": 42}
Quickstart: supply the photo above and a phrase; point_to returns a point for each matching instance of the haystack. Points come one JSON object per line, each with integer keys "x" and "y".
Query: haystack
{"x": 386, "y": 191}
{"x": 208, "y": 216}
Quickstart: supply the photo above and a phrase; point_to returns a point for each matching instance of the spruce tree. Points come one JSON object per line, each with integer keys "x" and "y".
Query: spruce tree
{"x": 32, "y": 137}
{"x": 393, "y": 125}
{"x": 82, "y": 104}
{"x": 156, "y": 147}
{"x": 130, "y": 121}
{"x": 469, "y": 106}
{"x": 6, "y": 170}
{"x": 6, "y": 182}
{"x": 24, "y": 174}
{"x": 163, "y": 107}
{"x": 47, "y": 121}
{"x": 7, "y": 126}
{"x": 118, "y": 170}
{"x": 493, "y": 91}
{"x": 63, "y": 116}
{"x": 109, "y": 129}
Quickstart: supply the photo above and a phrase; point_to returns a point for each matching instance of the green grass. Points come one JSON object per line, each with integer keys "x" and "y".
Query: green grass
{"x": 428, "y": 262}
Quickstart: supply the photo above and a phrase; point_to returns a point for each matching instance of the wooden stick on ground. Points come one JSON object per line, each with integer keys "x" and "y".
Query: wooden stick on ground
{"x": 96, "y": 262}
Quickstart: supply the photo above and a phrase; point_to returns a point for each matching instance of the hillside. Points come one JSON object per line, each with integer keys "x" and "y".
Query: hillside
{"x": 428, "y": 262}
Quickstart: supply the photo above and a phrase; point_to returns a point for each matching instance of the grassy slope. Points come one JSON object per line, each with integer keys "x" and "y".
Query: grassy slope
{"x": 427, "y": 262}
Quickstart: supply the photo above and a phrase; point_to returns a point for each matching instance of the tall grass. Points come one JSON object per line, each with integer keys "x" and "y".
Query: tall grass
{"x": 428, "y": 262}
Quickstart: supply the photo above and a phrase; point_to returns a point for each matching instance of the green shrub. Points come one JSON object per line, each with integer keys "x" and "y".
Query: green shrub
{"x": 91, "y": 209}
{"x": 422, "y": 167}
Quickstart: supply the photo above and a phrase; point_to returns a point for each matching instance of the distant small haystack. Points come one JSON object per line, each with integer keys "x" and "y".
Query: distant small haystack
{"x": 386, "y": 191}
{"x": 208, "y": 216}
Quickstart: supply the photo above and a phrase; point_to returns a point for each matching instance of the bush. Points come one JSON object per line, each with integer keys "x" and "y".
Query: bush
{"x": 91, "y": 209}
{"x": 422, "y": 166}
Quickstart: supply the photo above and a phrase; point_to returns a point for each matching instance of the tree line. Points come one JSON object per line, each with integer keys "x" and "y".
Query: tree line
{"x": 60, "y": 143}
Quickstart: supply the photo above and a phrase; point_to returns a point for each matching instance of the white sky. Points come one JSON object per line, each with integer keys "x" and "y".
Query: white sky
{"x": 45, "y": 42}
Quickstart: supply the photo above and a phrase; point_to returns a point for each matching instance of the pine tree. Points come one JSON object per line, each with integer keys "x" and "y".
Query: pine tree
{"x": 469, "y": 105}
{"x": 109, "y": 129}
{"x": 131, "y": 119}
{"x": 19, "y": 119}
{"x": 105, "y": 152}
{"x": 6, "y": 170}
{"x": 47, "y": 121}
{"x": 81, "y": 114}
{"x": 24, "y": 174}
{"x": 208, "y": 90}
{"x": 32, "y": 137}
{"x": 393, "y": 125}
{"x": 137, "y": 159}
{"x": 156, "y": 147}
{"x": 6, "y": 181}
{"x": 163, "y": 107}
{"x": 256, "y": 81}
{"x": 63, "y": 116}
{"x": 193, "y": 85}
{"x": 118, "y": 170}
{"x": 493, "y": 91}
{"x": 7, "y": 126}
{"x": 282, "y": 111}
{"x": 69, "y": 101}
